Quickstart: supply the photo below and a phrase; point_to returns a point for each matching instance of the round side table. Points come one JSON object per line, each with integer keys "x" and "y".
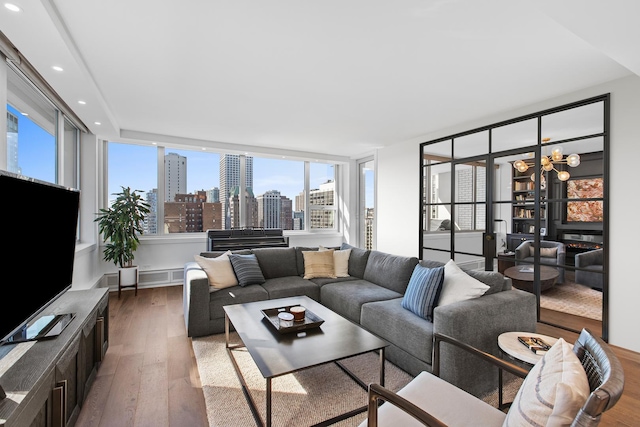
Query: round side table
{"x": 508, "y": 344}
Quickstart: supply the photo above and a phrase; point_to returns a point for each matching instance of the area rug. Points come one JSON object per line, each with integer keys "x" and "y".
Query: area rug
{"x": 573, "y": 298}
{"x": 299, "y": 399}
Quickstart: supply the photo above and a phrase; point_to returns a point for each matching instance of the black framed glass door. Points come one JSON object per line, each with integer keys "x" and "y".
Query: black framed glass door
{"x": 528, "y": 198}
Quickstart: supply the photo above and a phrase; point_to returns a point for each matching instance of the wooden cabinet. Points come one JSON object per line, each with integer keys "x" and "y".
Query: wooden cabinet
{"x": 514, "y": 240}
{"x": 47, "y": 386}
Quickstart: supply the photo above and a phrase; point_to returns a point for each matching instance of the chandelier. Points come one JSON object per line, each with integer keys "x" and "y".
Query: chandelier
{"x": 549, "y": 163}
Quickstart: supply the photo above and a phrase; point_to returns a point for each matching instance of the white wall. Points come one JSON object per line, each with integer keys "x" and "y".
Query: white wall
{"x": 398, "y": 197}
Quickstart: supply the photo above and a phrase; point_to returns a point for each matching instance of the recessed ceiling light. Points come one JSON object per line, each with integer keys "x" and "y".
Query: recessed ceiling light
{"x": 12, "y": 7}
{"x": 82, "y": 102}
{"x": 57, "y": 68}
{"x": 204, "y": 149}
{"x": 154, "y": 143}
{"x": 25, "y": 114}
{"x": 97, "y": 123}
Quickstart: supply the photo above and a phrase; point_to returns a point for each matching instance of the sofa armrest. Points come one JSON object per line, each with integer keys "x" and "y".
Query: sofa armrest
{"x": 478, "y": 322}
{"x": 195, "y": 299}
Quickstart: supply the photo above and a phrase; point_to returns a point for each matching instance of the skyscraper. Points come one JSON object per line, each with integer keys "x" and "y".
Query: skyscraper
{"x": 269, "y": 209}
{"x": 229, "y": 178}
{"x": 175, "y": 176}
{"x": 12, "y": 143}
{"x": 151, "y": 220}
{"x": 213, "y": 195}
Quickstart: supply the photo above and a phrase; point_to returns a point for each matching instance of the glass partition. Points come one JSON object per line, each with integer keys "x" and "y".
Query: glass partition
{"x": 539, "y": 217}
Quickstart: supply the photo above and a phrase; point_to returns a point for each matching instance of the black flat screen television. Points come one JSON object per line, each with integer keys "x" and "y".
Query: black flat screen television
{"x": 42, "y": 220}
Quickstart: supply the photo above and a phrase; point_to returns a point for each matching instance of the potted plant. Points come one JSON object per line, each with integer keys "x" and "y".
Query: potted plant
{"x": 120, "y": 225}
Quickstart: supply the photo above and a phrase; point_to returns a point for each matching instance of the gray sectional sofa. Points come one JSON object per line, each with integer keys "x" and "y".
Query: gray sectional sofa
{"x": 371, "y": 296}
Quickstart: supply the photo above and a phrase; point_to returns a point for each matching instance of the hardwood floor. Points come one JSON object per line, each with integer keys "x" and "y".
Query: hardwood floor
{"x": 149, "y": 376}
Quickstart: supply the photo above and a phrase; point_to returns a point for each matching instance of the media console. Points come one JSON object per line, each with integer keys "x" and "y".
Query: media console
{"x": 49, "y": 383}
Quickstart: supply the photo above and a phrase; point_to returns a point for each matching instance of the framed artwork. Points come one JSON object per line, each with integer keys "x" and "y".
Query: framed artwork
{"x": 588, "y": 210}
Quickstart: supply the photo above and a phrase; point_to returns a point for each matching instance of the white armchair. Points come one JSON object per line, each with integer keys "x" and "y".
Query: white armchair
{"x": 428, "y": 400}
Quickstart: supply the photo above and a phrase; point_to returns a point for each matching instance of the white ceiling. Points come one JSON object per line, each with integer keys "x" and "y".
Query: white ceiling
{"x": 335, "y": 77}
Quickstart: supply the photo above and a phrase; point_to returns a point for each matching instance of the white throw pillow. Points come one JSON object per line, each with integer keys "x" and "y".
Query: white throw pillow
{"x": 219, "y": 270}
{"x": 459, "y": 286}
{"x": 340, "y": 261}
{"x": 553, "y": 391}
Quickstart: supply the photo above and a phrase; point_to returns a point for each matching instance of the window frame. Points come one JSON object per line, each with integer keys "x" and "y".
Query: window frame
{"x": 162, "y": 149}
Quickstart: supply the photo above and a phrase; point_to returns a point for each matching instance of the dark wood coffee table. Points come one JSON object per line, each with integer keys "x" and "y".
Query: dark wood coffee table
{"x": 524, "y": 280}
{"x": 277, "y": 354}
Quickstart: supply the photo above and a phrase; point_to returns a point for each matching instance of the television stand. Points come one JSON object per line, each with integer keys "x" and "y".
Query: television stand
{"x": 43, "y": 327}
{"x": 49, "y": 383}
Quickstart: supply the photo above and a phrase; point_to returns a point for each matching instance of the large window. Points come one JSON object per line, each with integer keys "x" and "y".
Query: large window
{"x": 322, "y": 195}
{"x": 203, "y": 190}
{"x": 31, "y": 131}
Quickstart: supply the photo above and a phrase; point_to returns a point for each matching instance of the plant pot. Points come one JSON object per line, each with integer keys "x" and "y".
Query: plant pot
{"x": 128, "y": 278}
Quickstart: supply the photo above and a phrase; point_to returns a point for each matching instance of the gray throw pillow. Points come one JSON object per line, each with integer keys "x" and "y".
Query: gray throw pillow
{"x": 247, "y": 269}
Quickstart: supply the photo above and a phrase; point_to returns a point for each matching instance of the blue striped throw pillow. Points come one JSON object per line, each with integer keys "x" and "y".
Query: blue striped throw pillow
{"x": 247, "y": 269}
{"x": 423, "y": 291}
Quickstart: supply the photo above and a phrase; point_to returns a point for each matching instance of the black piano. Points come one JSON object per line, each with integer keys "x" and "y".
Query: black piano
{"x": 245, "y": 238}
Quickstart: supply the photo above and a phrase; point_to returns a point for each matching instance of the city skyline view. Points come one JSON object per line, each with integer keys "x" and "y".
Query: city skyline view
{"x": 134, "y": 166}
{"x": 203, "y": 171}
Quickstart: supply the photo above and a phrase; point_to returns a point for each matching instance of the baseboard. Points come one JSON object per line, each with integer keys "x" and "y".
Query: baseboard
{"x": 148, "y": 279}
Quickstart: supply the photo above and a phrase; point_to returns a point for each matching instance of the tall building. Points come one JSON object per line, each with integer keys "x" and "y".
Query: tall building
{"x": 298, "y": 220}
{"x": 251, "y": 211}
{"x": 175, "y": 176}
{"x": 368, "y": 228}
{"x": 151, "y": 220}
{"x": 229, "y": 178}
{"x": 213, "y": 195}
{"x": 12, "y": 143}
{"x": 269, "y": 209}
{"x": 300, "y": 200}
{"x": 286, "y": 213}
{"x": 191, "y": 213}
{"x": 323, "y": 196}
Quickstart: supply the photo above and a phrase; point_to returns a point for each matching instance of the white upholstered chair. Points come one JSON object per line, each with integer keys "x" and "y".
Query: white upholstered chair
{"x": 428, "y": 400}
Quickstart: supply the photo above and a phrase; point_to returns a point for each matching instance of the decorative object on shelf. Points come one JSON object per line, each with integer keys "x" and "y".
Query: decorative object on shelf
{"x": 503, "y": 242}
{"x": 549, "y": 163}
{"x": 120, "y": 225}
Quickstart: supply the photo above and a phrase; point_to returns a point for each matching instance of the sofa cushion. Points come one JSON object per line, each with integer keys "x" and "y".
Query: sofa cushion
{"x": 552, "y": 392}
{"x": 357, "y": 260}
{"x": 340, "y": 261}
{"x": 494, "y": 279}
{"x": 459, "y": 286}
{"x": 318, "y": 264}
{"x": 219, "y": 270}
{"x": 247, "y": 269}
{"x": 276, "y": 262}
{"x": 391, "y": 271}
{"x": 291, "y": 286}
{"x": 321, "y": 281}
{"x": 346, "y": 298}
{"x": 423, "y": 291}
{"x": 234, "y": 295}
{"x": 391, "y": 322}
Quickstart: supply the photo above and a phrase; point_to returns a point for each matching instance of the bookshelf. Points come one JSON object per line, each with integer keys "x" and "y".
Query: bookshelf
{"x": 523, "y": 204}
